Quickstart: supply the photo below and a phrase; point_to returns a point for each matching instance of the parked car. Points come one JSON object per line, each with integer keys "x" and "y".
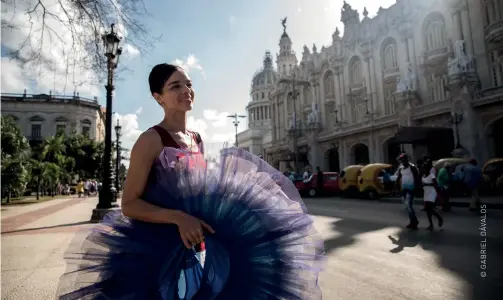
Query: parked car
{"x": 309, "y": 187}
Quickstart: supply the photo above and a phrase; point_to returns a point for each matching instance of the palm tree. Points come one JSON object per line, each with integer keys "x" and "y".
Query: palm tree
{"x": 54, "y": 149}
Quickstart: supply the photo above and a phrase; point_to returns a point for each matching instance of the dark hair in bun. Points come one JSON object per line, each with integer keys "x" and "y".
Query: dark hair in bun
{"x": 159, "y": 75}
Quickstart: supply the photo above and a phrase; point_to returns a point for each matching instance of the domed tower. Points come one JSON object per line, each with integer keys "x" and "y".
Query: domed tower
{"x": 285, "y": 59}
{"x": 263, "y": 82}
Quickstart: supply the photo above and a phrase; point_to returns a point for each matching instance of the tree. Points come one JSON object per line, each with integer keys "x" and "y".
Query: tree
{"x": 14, "y": 144}
{"x": 14, "y": 178}
{"x": 87, "y": 155}
{"x": 15, "y": 151}
{"x": 67, "y": 34}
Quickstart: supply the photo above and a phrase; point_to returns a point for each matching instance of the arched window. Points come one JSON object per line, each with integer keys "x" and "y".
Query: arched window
{"x": 355, "y": 70}
{"x": 493, "y": 12}
{"x": 86, "y": 127}
{"x": 435, "y": 36}
{"x": 328, "y": 84}
{"x": 388, "y": 54}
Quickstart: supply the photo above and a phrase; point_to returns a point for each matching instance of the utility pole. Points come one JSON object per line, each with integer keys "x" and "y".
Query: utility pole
{"x": 236, "y": 118}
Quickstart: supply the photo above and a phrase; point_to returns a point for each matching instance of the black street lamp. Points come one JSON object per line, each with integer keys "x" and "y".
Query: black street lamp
{"x": 118, "y": 135}
{"x": 236, "y": 123}
{"x": 112, "y": 52}
{"x": 455, "y": 119}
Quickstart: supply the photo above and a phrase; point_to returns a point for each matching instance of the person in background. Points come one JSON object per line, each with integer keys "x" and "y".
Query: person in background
{"x": 306, "y": 173}
{"x": 443, "y": 184}
{"x": 472, "y": 176}
{"x": 319, "y": 180}
{"x": 427, "y": 168}
{"x": 430, "y": 195}
{"x": 408, "y": 176}
{"x": 80, "y": 188}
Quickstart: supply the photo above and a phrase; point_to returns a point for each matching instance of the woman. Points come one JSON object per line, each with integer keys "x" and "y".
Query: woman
{"x": 259, "y": 241}
{"x": 430, "y": 195}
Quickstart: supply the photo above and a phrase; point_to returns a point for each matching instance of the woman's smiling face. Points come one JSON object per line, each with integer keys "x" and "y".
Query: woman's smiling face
{"x": 177, "y": 93}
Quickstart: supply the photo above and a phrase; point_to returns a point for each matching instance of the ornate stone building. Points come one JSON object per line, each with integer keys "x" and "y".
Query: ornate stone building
{"x": 41, "y": 116}
{"x": 421, "y": 76}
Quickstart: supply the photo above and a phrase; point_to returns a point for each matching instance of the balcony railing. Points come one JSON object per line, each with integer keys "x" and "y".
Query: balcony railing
{"x": 45, "y": 97}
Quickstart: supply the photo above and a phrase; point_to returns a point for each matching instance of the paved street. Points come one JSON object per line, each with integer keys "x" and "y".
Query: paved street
{"x": 369, "y": 255}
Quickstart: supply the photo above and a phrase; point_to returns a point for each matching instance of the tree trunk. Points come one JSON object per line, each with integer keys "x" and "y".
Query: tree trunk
{"x": 8, "y": 197}
{"x": 38, "y": 189}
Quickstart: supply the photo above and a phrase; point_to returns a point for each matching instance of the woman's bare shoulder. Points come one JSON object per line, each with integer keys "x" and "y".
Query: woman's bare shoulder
{"x": 149, "y": 142}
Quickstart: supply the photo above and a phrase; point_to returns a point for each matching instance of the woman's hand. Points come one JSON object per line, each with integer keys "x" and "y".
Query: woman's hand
{"x": 191, "y": 229}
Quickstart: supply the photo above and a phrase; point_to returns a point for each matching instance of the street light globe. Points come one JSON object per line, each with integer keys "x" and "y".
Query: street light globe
{"x": 111, "y": 41}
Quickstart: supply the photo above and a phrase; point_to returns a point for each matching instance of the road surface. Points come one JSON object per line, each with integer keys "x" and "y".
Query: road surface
{"x": 369, "y": 256}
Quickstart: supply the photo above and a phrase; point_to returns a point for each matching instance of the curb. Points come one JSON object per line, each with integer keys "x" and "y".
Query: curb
{"x": 453, "y": 203}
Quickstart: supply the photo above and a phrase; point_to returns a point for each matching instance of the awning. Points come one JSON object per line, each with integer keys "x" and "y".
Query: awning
{"x": 416, "y": 134}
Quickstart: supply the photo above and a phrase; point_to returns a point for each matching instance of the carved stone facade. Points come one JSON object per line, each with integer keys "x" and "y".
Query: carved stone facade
{"x": 413, "y": 65}
{"x": 41, "y": 116}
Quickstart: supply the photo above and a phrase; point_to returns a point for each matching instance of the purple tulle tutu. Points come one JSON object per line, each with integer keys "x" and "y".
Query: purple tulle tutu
{"x": 265, "y": 245}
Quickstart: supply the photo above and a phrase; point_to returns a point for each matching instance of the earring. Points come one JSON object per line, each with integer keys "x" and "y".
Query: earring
{"x": 160, "y": 103}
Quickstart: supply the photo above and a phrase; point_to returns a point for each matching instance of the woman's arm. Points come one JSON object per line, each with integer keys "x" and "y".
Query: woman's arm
{"x": 144, "y": 152}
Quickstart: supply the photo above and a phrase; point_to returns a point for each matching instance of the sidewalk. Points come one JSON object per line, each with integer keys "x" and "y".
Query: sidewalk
{"x": 490, "y": 202}
{"x": 34, "y": 239}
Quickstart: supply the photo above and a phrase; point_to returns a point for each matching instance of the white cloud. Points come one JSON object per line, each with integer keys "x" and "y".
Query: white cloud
{"x": 129, "y": 128}
{"x": 213, "y": 142}
{"x": 138, "y": 111}
{"x": 223, "y": 137}
{"x": 189, "y": 64}
{"x": 197, "y": 125}
{"x": 60, "y": 64}
{"x": 130, "y": 51}
{"x": 217, "y": 119}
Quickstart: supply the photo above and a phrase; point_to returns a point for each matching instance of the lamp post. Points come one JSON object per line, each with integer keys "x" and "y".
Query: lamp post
{"x": 236, "y": 123}
{"x": 112, "y": 53}
{"x": 118, "y": 159}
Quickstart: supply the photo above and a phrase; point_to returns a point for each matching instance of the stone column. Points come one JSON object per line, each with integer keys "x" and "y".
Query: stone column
{"x": 321, "y": 97}
{"x": 413, "y": 59}
{"x": 456, "y": 26}
{"x": 336, "y": 87}
{"x": 342, "y": 155}
{"x": 467, "y": 31}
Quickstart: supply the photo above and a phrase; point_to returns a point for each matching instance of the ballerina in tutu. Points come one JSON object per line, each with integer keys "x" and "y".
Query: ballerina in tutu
{"x": 237, "y": 230}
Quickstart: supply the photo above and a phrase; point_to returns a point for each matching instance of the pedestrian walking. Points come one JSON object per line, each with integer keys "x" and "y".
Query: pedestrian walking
{"x": 320, "y": 182}
{"x": 472, "y": 176}
{"x": 430, "y": 196}
{"x": 408, "y": 176}
{"x": 443, "y": 186}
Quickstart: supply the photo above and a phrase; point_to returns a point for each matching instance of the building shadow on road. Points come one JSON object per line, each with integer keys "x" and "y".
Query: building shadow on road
{"x": 461, "y": 254}
{"x": 458, "y": 252}
{"x": 46, "y": 227}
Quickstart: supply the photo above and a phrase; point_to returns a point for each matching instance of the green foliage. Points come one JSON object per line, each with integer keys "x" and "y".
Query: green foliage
{"x": 14, "y": 144}
{"x": 59, "y": 159}
{"x": 15, "y": 151}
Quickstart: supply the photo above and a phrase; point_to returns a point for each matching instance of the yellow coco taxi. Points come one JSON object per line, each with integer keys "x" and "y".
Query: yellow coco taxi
{"x": 348, "y": 180}
{"x": 375, "y": 181}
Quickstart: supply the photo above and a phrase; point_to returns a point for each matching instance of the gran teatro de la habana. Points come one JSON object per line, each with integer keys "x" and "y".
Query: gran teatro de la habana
{"x": 424, "y": 77}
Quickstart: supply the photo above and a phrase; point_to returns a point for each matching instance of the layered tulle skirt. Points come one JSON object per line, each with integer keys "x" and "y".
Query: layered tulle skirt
{"x": 264, "y": 247}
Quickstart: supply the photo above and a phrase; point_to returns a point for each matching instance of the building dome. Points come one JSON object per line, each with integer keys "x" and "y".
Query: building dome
{"x": 267, "y": 76}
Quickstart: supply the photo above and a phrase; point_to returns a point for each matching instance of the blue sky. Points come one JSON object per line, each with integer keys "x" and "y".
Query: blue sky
{"x": 227, "y": 39}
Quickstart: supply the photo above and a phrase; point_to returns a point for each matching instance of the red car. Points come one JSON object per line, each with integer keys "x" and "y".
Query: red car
{"x": 309, "y": 186}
